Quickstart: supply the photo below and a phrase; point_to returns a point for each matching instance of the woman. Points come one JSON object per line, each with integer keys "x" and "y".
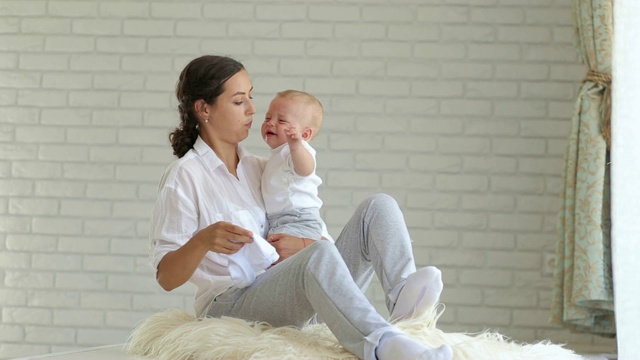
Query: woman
{"x": 209, "y": 207}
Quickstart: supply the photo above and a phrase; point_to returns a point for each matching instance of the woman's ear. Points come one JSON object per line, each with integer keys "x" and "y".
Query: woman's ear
{"x": 307, "y": 133}
{"x": 201, "y": 109}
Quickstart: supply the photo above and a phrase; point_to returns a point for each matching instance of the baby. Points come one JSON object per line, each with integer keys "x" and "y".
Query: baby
{"x": 289, "y": 182}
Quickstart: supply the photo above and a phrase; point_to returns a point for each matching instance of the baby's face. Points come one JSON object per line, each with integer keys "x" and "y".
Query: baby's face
{"x": 282, "y": 113}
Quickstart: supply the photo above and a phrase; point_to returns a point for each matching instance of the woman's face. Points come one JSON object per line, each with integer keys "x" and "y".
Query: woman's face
{"x": 231, "y": 116}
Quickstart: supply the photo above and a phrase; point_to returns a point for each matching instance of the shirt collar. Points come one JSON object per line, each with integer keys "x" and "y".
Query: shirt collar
{"x": 279, "y": 148}
{"x": 203, "y": 150}
{"x": 243, "y": 152}
{"x": 286, "y": 144}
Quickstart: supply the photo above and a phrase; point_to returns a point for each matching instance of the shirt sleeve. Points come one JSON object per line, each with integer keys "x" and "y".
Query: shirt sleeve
{"x": 289, "y": 161}
{"x": 173, "y": 223}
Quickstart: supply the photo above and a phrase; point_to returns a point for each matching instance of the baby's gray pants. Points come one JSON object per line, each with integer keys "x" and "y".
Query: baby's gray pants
{"x": 301, "y": 222}
{"x": 315, "y": 280}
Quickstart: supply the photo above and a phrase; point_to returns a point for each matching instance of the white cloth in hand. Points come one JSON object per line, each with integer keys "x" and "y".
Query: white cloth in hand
{"x": 251, "y": 258}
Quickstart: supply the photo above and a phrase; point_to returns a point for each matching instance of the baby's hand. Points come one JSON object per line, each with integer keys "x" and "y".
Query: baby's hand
{"x": 293, "y": 133}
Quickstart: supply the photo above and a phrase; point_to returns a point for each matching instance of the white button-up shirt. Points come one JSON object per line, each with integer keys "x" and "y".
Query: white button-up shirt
{"x": 196, "y": 191}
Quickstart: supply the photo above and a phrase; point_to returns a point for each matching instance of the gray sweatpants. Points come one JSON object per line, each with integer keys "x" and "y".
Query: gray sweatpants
{"x": 314, "y": 280}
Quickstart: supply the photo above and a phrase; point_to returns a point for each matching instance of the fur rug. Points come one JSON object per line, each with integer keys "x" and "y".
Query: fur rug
{"x": 177, "y": 335}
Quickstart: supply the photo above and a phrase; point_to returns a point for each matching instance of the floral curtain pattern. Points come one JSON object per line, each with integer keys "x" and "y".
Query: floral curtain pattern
{"x": 583, "y": 286}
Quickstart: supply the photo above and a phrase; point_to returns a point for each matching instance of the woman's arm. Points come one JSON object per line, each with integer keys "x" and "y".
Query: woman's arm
{"x": 177, "y": 267}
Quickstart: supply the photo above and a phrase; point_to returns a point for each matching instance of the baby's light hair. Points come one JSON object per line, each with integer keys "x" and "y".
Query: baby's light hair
{"x": 317, "y": 112}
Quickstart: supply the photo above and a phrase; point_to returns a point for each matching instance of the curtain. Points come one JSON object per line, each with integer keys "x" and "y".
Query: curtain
{"x": 583, "y": 286}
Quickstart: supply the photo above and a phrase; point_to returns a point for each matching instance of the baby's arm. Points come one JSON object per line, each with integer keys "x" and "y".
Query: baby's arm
{"x": 303, "y": 161}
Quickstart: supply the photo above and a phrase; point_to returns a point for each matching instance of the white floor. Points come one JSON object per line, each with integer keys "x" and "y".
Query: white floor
{"x": 110, "y": 352}
{"x": 599, "y": 356}
{"x": 115, "y": 352}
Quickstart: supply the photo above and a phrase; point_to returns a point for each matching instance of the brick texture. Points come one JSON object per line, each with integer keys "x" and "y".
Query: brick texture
{"x": 457, "y": 108}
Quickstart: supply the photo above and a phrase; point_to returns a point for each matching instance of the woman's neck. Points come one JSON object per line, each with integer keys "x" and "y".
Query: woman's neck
{"x": 230, "y": 160}
{"x": 227, "y": 153}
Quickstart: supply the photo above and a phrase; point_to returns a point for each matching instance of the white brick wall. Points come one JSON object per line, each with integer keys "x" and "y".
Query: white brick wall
{"x": 458, "y": 108}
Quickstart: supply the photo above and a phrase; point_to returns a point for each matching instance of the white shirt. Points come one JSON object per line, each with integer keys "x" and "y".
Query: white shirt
{"x": 282, "y": 188}
{"x": 196, "y": 191}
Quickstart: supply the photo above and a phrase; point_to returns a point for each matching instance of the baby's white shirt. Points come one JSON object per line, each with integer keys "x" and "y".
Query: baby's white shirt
{"x": 282, "y": 188}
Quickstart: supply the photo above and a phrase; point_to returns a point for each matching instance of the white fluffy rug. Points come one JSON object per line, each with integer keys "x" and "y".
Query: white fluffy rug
{"x": 177, "y": 335}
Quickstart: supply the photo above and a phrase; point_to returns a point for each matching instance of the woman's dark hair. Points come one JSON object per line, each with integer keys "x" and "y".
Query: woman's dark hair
{"x": 203, "y": 78}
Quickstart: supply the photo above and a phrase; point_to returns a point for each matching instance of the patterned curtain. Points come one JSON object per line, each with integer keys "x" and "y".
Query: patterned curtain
{"x": 583, "y": 286}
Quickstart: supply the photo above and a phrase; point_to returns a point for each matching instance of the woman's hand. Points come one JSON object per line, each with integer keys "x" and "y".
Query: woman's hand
{"x": 176, "y": 267}
{"x": 224, "y": 238}
{"x": 288, "y": 245}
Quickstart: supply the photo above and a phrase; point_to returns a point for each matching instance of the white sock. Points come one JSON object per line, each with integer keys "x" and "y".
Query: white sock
{"x": 398, "y": 347}
{"x": 420, "y": 292}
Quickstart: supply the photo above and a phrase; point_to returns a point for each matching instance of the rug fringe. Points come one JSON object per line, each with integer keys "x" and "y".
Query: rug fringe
{"x": 177, "y": 335}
